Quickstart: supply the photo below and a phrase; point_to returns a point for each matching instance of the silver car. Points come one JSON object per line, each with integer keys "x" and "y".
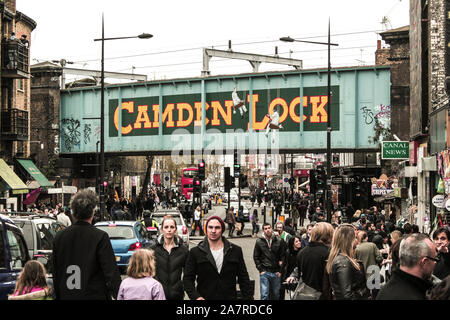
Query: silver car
{"x": 182, "y": 228}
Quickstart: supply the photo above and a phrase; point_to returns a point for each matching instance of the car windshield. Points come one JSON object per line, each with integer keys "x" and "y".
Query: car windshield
{"x": 116, "y": 232}
{"x": 159, "y": 219}
{"x": 47, "y": 232}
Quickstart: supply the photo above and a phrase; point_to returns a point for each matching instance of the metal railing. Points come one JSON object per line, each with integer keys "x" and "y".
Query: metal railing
{"x": 14, "y": 56}
{"x": 15, "y": 122}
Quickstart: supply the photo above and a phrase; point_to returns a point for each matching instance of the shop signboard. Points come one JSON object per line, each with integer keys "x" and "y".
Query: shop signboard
{"x": 395, "y": 150}
{"x": 447, "y": 203}
{"x": 438, "y": 201}
{"x": 376, "y": 191}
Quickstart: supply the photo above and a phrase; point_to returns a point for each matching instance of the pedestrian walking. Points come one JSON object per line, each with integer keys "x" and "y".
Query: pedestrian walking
{"x": 140, "y": 284}
{"x": 215, "y": 264}
{"x": 311, "y": 261}
{"x": 170, "y": 257}
{"x": 197, "y": 222}
{"x": 255, "y": 223}
{"x": 289, "y": 226}
{"x": 412, "y": 280}
{"x": 240, "y": 219}
{"x": 295, "y": 215}
{"x": 285, "y": 236}
{"x": 84, "y": 264}
{"x": 293, "y": 247}
{"x": 32, "y": 283}
{"x": 306, "y": 236}
{"x": 269, "y": 256}
{"x": 346, "y": 274}
{"x": 230, "y": 219}
{"x": 367, "y": 252}
{"x": 63, "y": 218}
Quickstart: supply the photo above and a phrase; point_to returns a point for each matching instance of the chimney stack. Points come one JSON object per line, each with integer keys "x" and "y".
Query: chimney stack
{"x": 10, "y": 5}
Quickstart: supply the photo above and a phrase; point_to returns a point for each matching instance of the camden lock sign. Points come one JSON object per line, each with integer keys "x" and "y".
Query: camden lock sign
{"x": 140, "y": 116}
{"x": 395, "y": 150}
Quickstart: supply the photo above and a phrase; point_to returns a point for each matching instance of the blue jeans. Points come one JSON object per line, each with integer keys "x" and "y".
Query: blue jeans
{"x": 269, "y": 286}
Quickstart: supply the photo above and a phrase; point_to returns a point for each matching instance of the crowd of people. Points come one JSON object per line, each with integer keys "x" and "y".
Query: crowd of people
{"x": 369, "y": 257}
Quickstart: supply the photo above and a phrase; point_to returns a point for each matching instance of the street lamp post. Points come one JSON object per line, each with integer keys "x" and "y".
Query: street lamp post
{"x": 328, "y": 185}
{"x": 102, "y": 110}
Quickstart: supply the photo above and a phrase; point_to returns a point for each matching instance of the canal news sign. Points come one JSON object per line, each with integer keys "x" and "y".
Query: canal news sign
{"x": 393, "y": 150}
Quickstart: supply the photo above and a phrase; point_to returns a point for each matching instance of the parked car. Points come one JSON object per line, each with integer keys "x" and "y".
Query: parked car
{"x": 39, "y": 232}
{"x": 182, "y": 228}
{"x": 126, "y": 236}
{"x": 235, "y": 205}
{"x": 13, "y": 255}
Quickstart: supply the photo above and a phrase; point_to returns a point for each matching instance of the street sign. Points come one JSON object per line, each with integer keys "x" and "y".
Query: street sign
{"x": 337, "y": 180}
{"x": 394, "y": 150}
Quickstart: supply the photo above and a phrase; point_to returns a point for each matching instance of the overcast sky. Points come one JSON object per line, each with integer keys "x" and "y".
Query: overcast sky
{"x": 66, "y": 30}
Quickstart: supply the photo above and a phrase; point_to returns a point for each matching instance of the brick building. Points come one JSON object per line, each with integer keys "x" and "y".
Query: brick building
{"x": 44, "y": 120}
{"x": 15, "y": 103}
{"x": 15, "y": 82}
{"x": 429, "y": 123}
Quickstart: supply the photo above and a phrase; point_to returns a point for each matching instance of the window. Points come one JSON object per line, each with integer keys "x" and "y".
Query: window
{"x": 190, "y": 173}
{"x": 46, "y": 236}
{"x": 28, "y": 234}
{"x": 118, "y": 232}
{"x": 20, "y": 85}
{"x": 2, "y": 252}
{"x": 17, "y": 250}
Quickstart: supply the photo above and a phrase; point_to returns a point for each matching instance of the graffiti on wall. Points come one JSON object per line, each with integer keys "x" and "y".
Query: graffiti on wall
{"x": 71, "y": 133}
{"x": 381, "y": 113}
{"x": 367, "y": 115}
{"x": 87, "y": 133}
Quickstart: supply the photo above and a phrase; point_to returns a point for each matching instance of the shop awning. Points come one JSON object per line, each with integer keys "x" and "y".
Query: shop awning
{"x": 31, "y": 168}
{"x": 11, "y": 179}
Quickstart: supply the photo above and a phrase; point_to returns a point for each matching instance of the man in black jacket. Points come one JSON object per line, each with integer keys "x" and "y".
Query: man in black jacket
{"x": 412, "y": 280}
{"x": 215, "y": 264}
{"x": 84, "y": 266}
{"x": 269, "y": 255}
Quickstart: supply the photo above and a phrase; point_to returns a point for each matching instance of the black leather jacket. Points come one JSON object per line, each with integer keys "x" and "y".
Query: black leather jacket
{"x": 347, "y": 282}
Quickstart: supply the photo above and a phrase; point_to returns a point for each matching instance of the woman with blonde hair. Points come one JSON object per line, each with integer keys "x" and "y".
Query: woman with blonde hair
{"x": 356, "y": 216}
{"x": 140, "y": 284}
{"x": 346, "y": 274}
{"x": 312, "y": 259}
{"x": 32, "y": 283}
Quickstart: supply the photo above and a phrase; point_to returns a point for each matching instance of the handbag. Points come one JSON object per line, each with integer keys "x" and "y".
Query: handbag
{"x": 305, "y": 292}
{"x": 238, "y": 226}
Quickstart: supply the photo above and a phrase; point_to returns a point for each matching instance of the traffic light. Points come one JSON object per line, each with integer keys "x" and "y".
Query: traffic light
{"x": 292, "y": 181}
{"x": 197, "y": 187}
{"x": 321, "y": 177}
{"x": 201, "y": 170}
{"x": 243, "y": 181}
{"x": 237, "y": 170}
{"x": 312, "y": 182}
{"x": 227, "y": 179}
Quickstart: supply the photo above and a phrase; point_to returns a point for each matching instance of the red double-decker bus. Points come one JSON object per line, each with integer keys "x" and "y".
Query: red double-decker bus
{"x": 187, "y": 181}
